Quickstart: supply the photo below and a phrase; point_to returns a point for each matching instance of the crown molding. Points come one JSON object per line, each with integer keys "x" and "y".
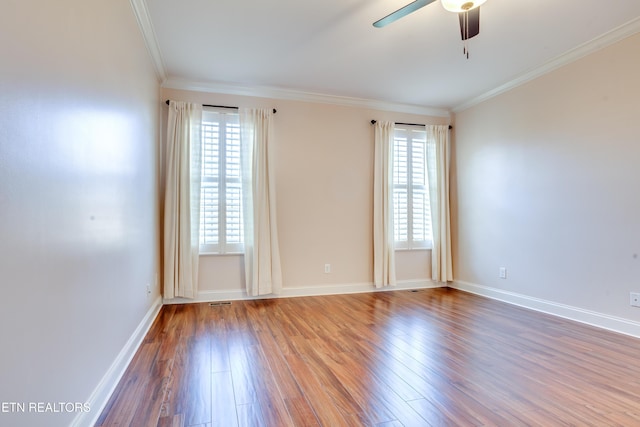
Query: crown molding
{"x": 295, "y": 95}
{"x": 144, "y": 22}
{"x": 625, "y": 30}
{"x": 141, "y": 13}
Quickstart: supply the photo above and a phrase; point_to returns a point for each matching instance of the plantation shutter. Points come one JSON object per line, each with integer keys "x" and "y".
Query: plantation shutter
{"x": 420, "y": 208}
{"x": 210, "y": 189}
{"x": 233, "y": 208}
{"x": 400, "y": 190}
{"x": 221, "y": 189}
{"x": 412, "y": 214}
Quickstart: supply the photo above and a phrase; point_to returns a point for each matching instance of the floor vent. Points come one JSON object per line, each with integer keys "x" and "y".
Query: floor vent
{"x": 219, "y": 303}
{"x": 414, "y": 290}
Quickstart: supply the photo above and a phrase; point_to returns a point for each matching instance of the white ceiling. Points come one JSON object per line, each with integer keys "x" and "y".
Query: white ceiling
{"x": 329, "y": 47}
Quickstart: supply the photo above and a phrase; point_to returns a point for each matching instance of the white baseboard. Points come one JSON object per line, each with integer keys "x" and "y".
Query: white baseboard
{"x": 593, "y": 318}
{"x": 306, "y": 291}
{"x": 101, "y": 394}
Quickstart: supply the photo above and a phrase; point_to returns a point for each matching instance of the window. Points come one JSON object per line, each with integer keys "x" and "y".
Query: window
{"x": 221, "y": 229}
{"x": 411, "y": 209}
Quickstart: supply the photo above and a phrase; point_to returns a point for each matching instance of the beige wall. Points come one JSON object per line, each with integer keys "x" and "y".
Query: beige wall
{"x": 78, "y": 120}
{"x": 547, "y": 185}
{"x": 324, "y": 180}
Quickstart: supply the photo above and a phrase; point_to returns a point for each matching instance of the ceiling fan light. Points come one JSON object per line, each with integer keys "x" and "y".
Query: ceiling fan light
{"x": 459, "y": 6}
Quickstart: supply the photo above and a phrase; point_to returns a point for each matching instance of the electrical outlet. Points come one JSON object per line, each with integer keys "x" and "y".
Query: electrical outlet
{"x": 148, "y": 289}
{"x": 634, "y": 299}
{"x": 327, "y": 268}
{"x": 503, "y": 272}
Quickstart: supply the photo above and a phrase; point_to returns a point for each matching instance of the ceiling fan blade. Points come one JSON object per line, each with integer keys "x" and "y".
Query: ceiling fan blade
{"x": 402, "y": 12}
{"x": 469, "y": 24}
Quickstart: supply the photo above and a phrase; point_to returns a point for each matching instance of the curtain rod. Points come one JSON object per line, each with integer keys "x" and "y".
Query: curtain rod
{"x": 373, "y": 122}
{"x": 222, "y": 106}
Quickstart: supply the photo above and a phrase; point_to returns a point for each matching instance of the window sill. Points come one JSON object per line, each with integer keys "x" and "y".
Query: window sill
{"x": 207, "y": 254}
{"x": 412, "y": 249}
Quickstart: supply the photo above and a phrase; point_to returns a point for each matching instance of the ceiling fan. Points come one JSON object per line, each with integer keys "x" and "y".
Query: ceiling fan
{"x": 468, "y": 13}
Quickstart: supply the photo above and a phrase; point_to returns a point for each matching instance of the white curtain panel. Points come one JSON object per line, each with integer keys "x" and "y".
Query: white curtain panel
{"x": 438, "y": 161}
{"x": 263, "y": 272}
{"x": 182, "y": 200}
{"x": 384, "y": 270}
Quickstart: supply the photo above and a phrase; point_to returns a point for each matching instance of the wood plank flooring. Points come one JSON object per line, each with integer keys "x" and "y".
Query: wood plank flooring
{"x": 436, "y": 357}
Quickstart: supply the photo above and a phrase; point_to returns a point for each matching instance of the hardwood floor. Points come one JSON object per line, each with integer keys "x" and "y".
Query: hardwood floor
{"x": 436, "y": 357}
